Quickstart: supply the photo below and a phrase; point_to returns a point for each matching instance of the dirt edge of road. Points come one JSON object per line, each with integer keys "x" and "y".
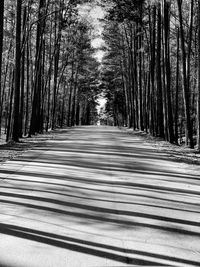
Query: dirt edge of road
{"x": 12, "y": 150}
{"x": 178, "y": 153}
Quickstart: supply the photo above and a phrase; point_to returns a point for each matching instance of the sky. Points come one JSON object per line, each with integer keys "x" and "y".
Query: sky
{"x": 94, "y": 13}
{"x": 97, "y": 13}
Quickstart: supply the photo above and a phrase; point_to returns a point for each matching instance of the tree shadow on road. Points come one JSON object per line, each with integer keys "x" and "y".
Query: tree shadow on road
{"x": 111, "y": 186}
{"x": 88, "y": 247}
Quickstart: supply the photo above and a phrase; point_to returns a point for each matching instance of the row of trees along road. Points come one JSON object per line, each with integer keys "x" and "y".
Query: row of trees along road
{"x": 48, "y": 76}
{"x": 151, "y": 69}
{"x": 150, "y": 72}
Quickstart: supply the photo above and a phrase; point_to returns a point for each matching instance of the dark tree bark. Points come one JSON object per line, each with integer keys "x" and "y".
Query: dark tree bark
{"x": 21, "y": 118}
{"x": 186, "y": 93}
{"x": 11, "y": 90}
{"x": 70, "y": 94}
{"x": 177, "y": 90}
{"x": 168, "y": 69}
{"x": 27, "y": 87}
{"x": 160, "y": 119}
{"x": 36, "y": 105}
{"x": 198, "y": 82}
{"x": 140, "y": 78}
{"x": 152, "y": 28}
{"x": 56, "y": 63}
{"x": 15, "y": 134}
{"x": 1, "y": 48}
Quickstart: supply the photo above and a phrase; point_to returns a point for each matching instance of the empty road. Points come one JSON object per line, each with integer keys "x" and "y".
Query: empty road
{"x": 95, "y": 197}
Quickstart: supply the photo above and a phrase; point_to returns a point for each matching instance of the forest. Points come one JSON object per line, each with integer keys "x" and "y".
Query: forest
{"x": 48, "y": 74}
{"x": 149, "y": 74}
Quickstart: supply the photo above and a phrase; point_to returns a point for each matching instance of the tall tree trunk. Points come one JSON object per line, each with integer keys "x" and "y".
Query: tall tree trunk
{"x": 160, "y": 119}
{"x": 177, "y": 90}
{"x": 1, "y": 48}
{"x": 3, "y": 89}
{"x": 48, "y": 82}
{"x": 36, "y": 104}
{"x": 186, "y": 92}
{"x": 168, "y": 69}
{"x": 10, "y": 110}
{"x": 190, "y": 42}
{"x": 21, "y": 118}
{"x": 165, "y": 115}
{"x": 15, "y": 134}
{"x": 27, "y": 87}
{"x": 130, "y": 74}
{"x": 152, "y": 29}
{"x": 70, "y": 93}
{"x": 56, "y": 63}
{"x": 135, "y": 73}
{"x": 73, "y": 119}
{"x": 140, "y": 78}
{"x": 126, "y": 85}
{"x": 127, "y": 105}
{"x": 198, "y": 82}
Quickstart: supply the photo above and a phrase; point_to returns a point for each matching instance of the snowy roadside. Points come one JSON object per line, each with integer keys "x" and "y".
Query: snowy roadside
{"x": 177, "y": 153}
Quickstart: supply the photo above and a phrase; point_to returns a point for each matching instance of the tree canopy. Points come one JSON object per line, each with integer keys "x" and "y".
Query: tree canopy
{"x": 151, "y": 58}
{"x": 149, "y": 74}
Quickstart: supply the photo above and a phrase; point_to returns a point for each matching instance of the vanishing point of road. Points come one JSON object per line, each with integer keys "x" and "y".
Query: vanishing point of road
{"x": 98, "y": 197}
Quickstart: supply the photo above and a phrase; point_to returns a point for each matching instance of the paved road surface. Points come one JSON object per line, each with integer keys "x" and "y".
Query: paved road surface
{"x": 97, "y": 196}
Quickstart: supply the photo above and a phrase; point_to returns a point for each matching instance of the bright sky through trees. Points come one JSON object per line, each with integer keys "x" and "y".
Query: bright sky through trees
{"x": 97, "y": 13}
{"x": 94, "y": 13}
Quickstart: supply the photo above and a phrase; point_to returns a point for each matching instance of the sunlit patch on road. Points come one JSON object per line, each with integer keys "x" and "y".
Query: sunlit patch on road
{"x": 89, "y": 199}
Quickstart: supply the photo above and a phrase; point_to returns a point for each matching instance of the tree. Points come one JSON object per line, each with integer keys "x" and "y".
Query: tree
{"x": 185, "y": 80}
{"x": 160, "y": 116}
{"x": 149, "y": 64}
{"x": 15, "y": 135}
{"x": 35, "y": 125}
{"x": 1, "y": 48}
{"x": 44, "y": 90}
{"x": 198, "y": 82}
{"x": 168, "y": 69}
